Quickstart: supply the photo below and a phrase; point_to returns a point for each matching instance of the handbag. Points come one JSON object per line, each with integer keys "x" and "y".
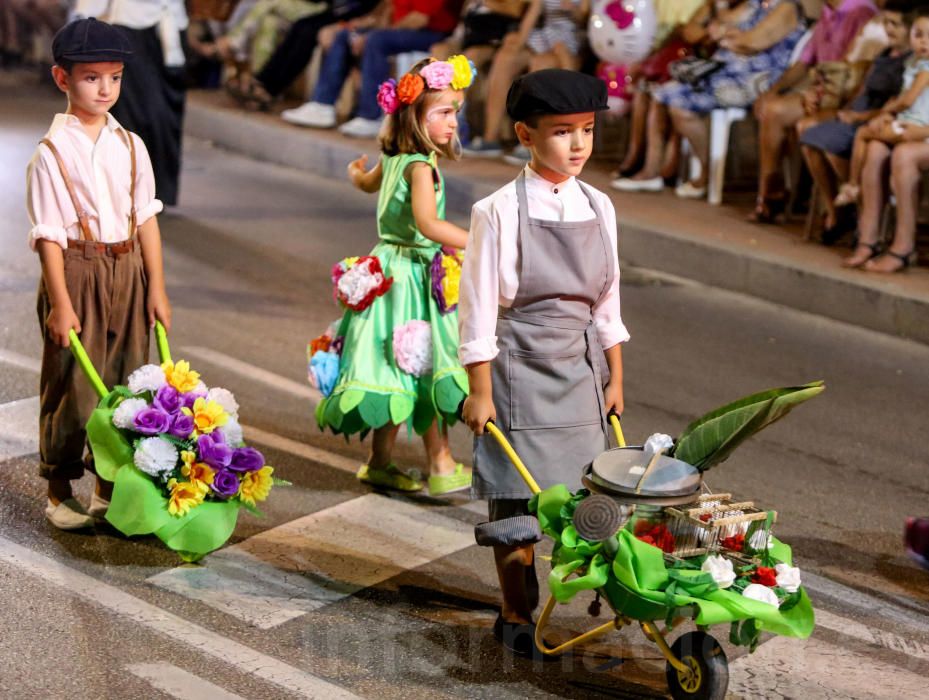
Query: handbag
{"x": 693, "y": 70}
{"x": 835, "y": 82}
{"x": 655, "y": 67}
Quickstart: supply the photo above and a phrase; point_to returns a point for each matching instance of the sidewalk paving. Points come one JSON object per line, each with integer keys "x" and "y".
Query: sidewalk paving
{"x": 690, "y": 239}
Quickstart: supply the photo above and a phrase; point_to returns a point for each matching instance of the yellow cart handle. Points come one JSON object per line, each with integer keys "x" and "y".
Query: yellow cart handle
{"x": 617, "y": 429}
{"x": 514, "y": 458}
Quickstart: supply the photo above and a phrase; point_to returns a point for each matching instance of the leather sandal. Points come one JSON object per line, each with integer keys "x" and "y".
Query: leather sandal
{"x": 852, "y": 261}
{"x": 767, "y": 209}
{"x": 903, "y": 261}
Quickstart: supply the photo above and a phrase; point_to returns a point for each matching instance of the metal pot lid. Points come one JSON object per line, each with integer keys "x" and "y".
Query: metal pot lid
{"x": 619, "y": 470}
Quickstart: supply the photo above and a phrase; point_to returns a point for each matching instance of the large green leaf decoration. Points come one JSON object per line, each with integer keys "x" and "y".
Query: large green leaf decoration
{"x": 712, "y": 438}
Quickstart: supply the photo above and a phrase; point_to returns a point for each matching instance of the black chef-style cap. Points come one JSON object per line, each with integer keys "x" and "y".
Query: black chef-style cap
{"x": 90, "y": 41}
{"x": 555, "y": 91}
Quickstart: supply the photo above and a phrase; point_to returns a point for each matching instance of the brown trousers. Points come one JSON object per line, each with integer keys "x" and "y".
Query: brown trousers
{"x": 109, "y": 297}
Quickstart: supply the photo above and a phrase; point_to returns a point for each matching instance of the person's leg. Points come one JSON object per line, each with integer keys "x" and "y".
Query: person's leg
{"x": 509, "y": 62}
{"x": 824, "y": 179}
{"x": 334, "y": 69}
{"x": 692, "y": 126}
{"x": 519, "y": 587}
{"x": 293, "y": 53}
{"x": 438, "y": 452}
{"x": 382, "y": 446}
{"x": 658, "y": 125}
{"x": 874, "y": 195}
{"x": 541, "y": 61}
{"x": 777, "y": 114}
{"x": 638, "y": 124}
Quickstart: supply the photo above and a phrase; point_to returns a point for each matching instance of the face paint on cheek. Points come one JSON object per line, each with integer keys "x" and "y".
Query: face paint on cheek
{"x": 434, "y": 114}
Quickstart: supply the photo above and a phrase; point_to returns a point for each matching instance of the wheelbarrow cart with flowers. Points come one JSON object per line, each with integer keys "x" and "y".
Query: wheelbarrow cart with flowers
{"x": 174, "y": 451}
{"x": 646, "y": 536}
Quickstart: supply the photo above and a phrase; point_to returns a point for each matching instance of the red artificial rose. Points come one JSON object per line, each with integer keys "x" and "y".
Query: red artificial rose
{"x": 655, "y": 535}
{"x": 736, "y": 542}
{"x": 765, "y": 575}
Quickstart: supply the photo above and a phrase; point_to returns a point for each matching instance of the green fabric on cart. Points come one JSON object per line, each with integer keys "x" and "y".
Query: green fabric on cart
{"x": 640, "y": 568}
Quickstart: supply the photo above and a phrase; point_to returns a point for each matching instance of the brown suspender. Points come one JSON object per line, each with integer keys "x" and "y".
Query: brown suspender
{"x": 82, "y": 220}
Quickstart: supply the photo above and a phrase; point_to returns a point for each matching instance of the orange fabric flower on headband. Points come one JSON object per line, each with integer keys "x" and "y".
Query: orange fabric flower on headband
{"x": 410, "y": 87}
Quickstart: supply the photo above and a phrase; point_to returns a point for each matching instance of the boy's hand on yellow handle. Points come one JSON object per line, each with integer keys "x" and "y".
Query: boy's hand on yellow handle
{"x": 159, "y": 309}
{"x": 477, "y": 410}
{"x": 356, "y": 169}
{"x": 59, "y": 324}
{"x": 613, "y": 398}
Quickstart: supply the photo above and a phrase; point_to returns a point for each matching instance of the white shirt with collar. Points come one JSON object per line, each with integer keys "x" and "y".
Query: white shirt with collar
{"x": 170, "y": 17}
{"x": 490, "y": 274}
{"x": 101, "y": 174}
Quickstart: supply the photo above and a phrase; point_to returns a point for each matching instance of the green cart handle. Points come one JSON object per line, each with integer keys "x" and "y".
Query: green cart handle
{"x": 80, "y": 355}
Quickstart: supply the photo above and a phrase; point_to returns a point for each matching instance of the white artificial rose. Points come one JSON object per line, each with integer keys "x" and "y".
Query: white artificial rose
{"x": 232, "y": 431}
{"x": 788, "y": 577}
{"x": 155, "y": 456}
{"x": 720, "y": 569}
{"x": 125, "y": 412}
{"x": 762, "y": 594}
{"x": 760, "y": 539}
{"x": 146, "y": 378}
{"x": 225, "y": 399}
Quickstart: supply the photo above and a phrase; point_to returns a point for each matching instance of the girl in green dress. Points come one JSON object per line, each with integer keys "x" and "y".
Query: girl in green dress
{"x": 399, "y": 361}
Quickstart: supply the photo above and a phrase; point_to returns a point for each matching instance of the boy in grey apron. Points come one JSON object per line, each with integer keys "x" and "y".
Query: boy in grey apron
{"x": 540, "y": 326}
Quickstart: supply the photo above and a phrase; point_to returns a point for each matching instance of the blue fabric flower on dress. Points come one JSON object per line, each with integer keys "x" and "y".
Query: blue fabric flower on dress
{"x": 324, "y": 370}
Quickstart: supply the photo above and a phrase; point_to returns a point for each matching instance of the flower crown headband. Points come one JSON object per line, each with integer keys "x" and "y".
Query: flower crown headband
{"x": 457, "y": 72}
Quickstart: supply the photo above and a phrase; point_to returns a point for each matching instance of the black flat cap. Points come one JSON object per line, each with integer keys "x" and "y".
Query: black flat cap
{"x": 555, "y": 91}
{"x": 90, "y": 41}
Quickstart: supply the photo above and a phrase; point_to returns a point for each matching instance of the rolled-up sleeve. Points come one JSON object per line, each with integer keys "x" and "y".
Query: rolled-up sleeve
{"x": 47, "y": 202}
{"x": 480, "y": 290}
{"x": 146, "y": 204}
{"x": 607, "y": 313}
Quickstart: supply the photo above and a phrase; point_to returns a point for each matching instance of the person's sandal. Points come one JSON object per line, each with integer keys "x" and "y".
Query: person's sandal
{"x": 848, "y": 194}
{"x": 902, "y": 262}
{"x": 391, "y": 477}
{"x": 767, "y": 209}
{"x": 854, "y": 260}
{"x": 458, "y": 480}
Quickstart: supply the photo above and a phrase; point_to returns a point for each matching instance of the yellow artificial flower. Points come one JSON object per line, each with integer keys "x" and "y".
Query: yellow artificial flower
{"x": 451, "y": 281}
{"x": 207, "y": 415}
{"x": 180, "y": 376}
{"x": 184, "y": 496}
{"x": 350, "y": 261}
{"x": 463, "y": 74}
{"x": 197, "y": 473}
{"x": 255, "y": 486}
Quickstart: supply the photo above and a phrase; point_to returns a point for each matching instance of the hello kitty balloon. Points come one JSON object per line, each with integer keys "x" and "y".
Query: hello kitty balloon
{"x": 622, "y": 31}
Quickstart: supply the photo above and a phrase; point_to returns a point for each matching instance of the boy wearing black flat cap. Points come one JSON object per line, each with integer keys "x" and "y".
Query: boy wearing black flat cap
{"x": 91, "y": 201}
{"x": 540, "y": 326}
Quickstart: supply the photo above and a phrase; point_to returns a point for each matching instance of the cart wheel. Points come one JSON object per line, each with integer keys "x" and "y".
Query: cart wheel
{"x": 709, "y": 676}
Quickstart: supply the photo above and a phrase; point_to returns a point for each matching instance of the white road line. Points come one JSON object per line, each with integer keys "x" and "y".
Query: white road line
{"x": 165, "y": 623}
{"x": 178, "y": 683}
{"x": 314, "y": 454}
{"x": 22, "y": 361}
{"x": 872, "y": 635}
{"x": 276, "y": 381}
{"x": 19, "y": 428}
{"x": 301, "y": 566}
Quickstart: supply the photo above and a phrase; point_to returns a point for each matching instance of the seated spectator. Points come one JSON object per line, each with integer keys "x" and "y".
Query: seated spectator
{"x": 901, "y": 140}
{"x": 555, "y": 43}
{"x": 756, "y": 43}
{"x": 415, "y": 25}
{"x": 792, "y": 98}
{"x": 827, "y": 146}
{"x": 483, "y": 26}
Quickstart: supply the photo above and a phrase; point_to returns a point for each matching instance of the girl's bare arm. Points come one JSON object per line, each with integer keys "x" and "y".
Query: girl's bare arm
{"x": 425, "y": 213}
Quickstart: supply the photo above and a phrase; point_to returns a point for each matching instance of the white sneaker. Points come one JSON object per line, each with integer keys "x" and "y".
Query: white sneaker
{"x": 312, "y": 114}
{"x": 628, "y": 184}
{"x": 98, "y": 506}
{"x": 361, "y": 128}
{"x": 688, "y": 190}
{"x": 518, "y": 156}
{"x": 68, "y": 515}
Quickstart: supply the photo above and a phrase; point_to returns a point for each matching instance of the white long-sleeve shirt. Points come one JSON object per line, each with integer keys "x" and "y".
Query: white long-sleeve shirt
{"x": 101, "y": 174}
{"x": 490, "y": 274}
{"x": 170, "y": 16}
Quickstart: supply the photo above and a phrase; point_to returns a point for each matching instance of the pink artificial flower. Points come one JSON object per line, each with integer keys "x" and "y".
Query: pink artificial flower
{"x": 387, "y": 96}
{"x": 412, "y": 345}
{"x": 617, "y": 12}
{"x": 438, "y": 75}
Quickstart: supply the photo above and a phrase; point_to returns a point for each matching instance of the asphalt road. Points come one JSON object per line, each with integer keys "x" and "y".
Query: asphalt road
{"x": 248, "y": 254}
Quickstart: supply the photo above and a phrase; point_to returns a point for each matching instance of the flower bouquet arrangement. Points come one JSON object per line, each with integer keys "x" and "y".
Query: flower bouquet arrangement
{"x": 174, "y": 450}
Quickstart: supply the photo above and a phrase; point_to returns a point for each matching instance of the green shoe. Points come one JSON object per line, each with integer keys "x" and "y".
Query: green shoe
{"x": 458, "y": 480}
{"x": 390, "y": 478}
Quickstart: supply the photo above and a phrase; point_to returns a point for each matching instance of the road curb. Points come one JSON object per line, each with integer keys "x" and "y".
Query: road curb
{"x": 861, "y": 301}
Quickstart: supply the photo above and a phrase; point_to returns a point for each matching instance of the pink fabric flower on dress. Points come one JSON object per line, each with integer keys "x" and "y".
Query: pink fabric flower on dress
{"x": 617, "y": 12}
{"x": 438, "y": 75}
{"x": 387, "y": 96}
{"x": 413, "y": 347}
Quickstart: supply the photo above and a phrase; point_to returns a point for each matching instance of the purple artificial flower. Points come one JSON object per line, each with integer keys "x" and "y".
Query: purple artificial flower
{"x": 247, "y": 459}
{"x": 187, "y": 400}
{"x": 151, "y": 421}
{"x": 214, "y": 451}
{"x": 168, "y": 399}
{"x": 182, "y": 426}
{"x": 225, "y": 483}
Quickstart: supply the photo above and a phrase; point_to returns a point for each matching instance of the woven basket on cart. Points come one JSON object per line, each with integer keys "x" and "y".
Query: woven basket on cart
{"x": 211, "y": 9}
{"x": 716, "y": 524}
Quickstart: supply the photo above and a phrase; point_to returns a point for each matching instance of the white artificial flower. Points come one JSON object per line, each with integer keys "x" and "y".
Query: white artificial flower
{"x": 762, "y": 594}
{"x": 760, "y": 539}
{"x": 225, "y": 399}
{"x": 155, "y": 456}
{"x": 720, "y": 569}
{"x": 232, "y": 431}
{"x": 146, "y": 378}
{"x": 788, "y": 577}
{"x": 357, "y": 282}
{"x": 658, "y": 442}
{"x": 125, "y": 412}
{"x": 200, "y": 388}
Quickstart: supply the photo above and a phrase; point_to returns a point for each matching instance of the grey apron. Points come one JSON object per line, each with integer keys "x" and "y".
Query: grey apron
{"x": 549, "y": 376}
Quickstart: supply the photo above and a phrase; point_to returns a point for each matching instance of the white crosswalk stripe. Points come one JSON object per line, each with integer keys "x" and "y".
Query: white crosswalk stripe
{"x": 179, "y": 683}
{"x": 19, "y": 428}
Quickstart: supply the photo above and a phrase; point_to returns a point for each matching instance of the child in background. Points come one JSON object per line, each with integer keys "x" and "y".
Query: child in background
{"x": 91, "y": 201}
{"x": 398, "y": 363}
{"x": 909, "y": 108}
{"x": 540, "y": 327}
